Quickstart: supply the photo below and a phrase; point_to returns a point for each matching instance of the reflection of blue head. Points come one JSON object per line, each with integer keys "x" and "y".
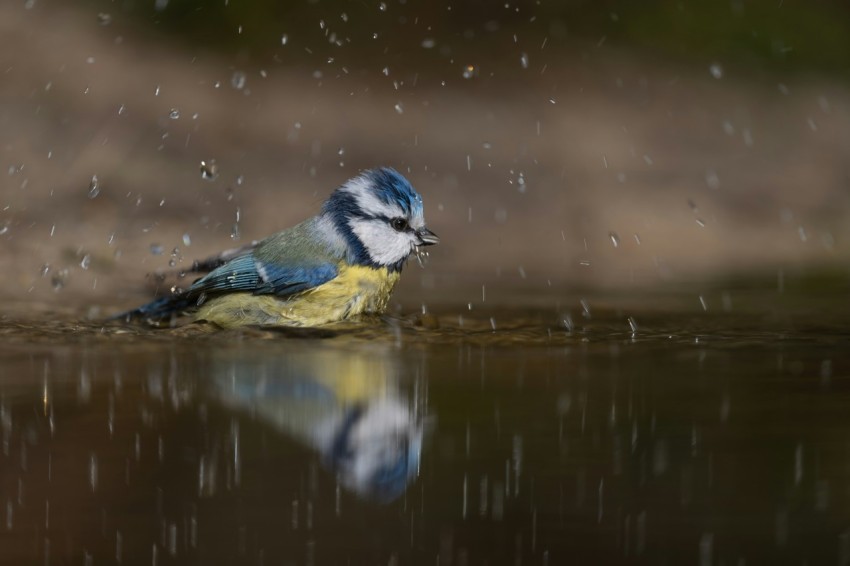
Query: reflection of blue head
{"x": 375, "y": 449}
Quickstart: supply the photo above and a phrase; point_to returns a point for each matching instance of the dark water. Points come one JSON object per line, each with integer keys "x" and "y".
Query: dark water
{"x": 696, "y": 439}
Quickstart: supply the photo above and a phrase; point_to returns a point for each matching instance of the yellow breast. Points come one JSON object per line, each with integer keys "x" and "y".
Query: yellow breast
{"x": 354, "y": 291}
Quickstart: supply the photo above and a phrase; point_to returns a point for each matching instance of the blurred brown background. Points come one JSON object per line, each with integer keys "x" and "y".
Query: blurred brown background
{"x": 557, "y": 147}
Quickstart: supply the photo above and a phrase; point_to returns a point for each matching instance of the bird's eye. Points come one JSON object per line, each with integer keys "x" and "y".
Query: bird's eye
{"x": 399, "y": 224}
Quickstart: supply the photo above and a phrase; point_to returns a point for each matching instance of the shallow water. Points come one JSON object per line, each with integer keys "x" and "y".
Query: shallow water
{"x": 671, "y": 438}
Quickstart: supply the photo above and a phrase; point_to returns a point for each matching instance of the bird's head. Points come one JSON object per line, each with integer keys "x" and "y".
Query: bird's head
{"x": 381, "y": 217}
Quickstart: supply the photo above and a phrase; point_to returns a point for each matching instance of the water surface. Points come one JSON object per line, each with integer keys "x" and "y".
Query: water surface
{"x": 534, "y": 437}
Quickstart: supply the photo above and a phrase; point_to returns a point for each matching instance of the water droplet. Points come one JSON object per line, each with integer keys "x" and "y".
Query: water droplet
{"x": 428, "y": 43}
{"x": 469, "y": 71}
{"x": 399, "y": 108}
{"x": 187, "y": 240}
{"x": 523, "y": 60}
{"x": 209, "y": 170}
{"x": 238, "y": 80}
{"x": 382, "y": 6}
{"x": 615, "y": 239}
{"x": 284, "y": 39}
{"x": 174, "y": 114}
{"x": 386, "y": 71}
{"x": 94, "y": 189}
{"x": 59, "y": 279}
{"x": 156, "y": 249}
{"x": 104, "y": 19}
{"x": 716, "y": 70}
{"x": 85, "y": 262}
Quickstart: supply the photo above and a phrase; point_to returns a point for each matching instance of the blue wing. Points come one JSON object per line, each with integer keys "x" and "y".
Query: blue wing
{"x": 289, "y": 262}
{"x": 245, "y": 274}
{"x": 249, "y": 274}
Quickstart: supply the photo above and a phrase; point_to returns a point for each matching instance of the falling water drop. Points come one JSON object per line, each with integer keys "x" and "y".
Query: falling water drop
{"x": 209, "y": 170}
{"x": 716, "y": 70}
{"x": 94, "y": 189}
{"x": 59, "y": 279}
{"x": 238, "y": 80}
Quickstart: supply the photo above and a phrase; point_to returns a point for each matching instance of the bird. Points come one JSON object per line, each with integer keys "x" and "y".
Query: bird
{"x": 337, "y": 265}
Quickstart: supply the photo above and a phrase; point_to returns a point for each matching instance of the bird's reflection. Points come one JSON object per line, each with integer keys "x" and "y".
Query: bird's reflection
{"x": 347, "y": 405}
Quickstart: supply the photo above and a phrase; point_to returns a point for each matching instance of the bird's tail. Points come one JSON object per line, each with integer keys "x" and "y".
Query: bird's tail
{"x": 159, "y": 309}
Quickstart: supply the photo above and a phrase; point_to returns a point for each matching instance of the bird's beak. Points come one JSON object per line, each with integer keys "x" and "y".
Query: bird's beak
{"x": 427, "y": 237}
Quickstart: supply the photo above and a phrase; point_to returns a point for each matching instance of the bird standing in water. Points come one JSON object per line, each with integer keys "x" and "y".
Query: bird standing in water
{"x": 341, "y": 263}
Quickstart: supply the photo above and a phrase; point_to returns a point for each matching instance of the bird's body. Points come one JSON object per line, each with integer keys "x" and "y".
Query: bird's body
{"x": 355, "y": 291}
{"x": 339, "y": 264}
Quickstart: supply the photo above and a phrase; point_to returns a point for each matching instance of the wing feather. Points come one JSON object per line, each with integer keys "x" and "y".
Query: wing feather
{"x": 289, "y": 262}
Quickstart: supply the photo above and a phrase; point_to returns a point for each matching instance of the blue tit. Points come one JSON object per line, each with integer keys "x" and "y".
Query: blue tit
{"x": 339, "y": 264}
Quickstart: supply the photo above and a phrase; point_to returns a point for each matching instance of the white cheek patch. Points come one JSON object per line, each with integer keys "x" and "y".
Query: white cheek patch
{"x": 384, "y": 245}
{"x": 367, "y": 201}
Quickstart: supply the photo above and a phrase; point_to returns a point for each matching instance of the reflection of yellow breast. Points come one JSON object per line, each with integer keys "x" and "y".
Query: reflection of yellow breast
{"x": 354, "y": 291}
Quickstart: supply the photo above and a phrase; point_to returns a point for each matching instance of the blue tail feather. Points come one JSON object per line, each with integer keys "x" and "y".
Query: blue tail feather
{"x": 161, "y": 308}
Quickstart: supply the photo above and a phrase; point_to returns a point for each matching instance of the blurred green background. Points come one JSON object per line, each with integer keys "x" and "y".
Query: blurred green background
{"x": 776, "y": 35}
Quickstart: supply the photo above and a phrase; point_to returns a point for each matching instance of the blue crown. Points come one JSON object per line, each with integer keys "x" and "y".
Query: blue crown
{"x": 392, "y": 188}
